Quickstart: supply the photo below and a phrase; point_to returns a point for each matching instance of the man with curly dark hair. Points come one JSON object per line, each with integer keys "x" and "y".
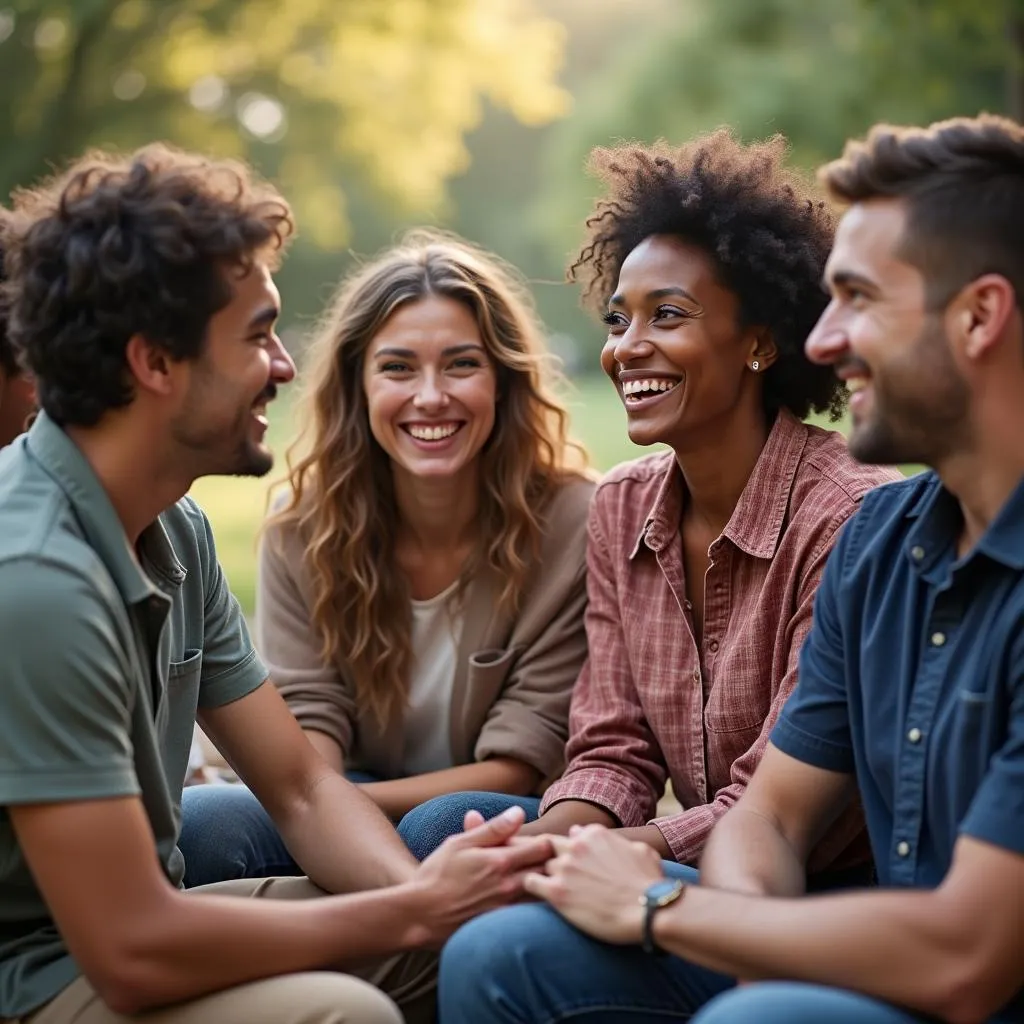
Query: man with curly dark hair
{"x": 911, "y": 683}
{"x": 17, "y": 394}
{"x": 705, "y": 264}
{"x": 142, "y": 301}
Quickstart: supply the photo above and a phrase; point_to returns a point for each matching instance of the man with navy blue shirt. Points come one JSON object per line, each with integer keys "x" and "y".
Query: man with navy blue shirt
{"x": 911, "y": 685}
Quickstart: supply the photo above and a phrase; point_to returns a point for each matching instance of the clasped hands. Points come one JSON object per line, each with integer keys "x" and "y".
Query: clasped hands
{"x": 594, "y": 877}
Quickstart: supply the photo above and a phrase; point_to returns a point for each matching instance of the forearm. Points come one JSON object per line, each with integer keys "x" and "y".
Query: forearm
{"x": 746, "y": 853}
{"x": 209, "y": 943}
{"x": 396, "y": 797}
{"x": 649, "y": 835}
{"x": 559, "y": 818}
{"x": 903, "y": 947}
{"x": 327, "y": 747}
{"x": 339, "y": 837}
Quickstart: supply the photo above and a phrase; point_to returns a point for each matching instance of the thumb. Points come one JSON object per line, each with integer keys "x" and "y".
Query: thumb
{"x": 494, "y": 832}
{"x": 473, "y": 819}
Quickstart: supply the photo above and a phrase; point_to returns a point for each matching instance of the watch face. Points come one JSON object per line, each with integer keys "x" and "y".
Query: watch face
{"x": 661, "y": 891}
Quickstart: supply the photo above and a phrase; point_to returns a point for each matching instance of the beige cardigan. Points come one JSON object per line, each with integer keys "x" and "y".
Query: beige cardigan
{"x": 514, "y": 677}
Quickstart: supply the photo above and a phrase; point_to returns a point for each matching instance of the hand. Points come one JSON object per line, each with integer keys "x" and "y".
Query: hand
{"x": 596, "y": 881}
{"x": 478, "y": 870}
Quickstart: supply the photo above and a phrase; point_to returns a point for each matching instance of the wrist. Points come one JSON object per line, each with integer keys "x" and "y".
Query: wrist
{"x": 656, "y": 898}
{"x": 415, "y": 904}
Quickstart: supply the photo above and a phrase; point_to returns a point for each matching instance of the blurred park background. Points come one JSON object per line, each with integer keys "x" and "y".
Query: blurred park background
{"x": 376, "y": 115}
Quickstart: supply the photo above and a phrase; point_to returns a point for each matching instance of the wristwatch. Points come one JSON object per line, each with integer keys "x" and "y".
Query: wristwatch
{"x": 655, "y": 897}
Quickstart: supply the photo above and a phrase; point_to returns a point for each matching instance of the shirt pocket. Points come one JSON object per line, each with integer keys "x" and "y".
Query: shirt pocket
{"x": 184, "y": 676}
{"x": 488, "y": 670}
{"x": 728, "y": 711}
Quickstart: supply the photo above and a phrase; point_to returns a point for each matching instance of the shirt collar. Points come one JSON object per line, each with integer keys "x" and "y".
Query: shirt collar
{"x": 64, "y": 462}
{"x": 940, "y": 520}
{"x": 749, "y": 528}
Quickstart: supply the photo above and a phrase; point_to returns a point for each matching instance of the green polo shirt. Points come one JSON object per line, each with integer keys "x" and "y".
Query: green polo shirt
{"x": 105, "y": 656}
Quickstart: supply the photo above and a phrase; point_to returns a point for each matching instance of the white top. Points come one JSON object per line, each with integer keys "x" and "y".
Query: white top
{"x": 436, "y": 632}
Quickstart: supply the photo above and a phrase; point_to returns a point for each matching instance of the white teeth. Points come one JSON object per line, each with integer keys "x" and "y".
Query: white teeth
{"x": 635, "y": 387}
{"x": 433, "y": 433}
{"x": 855, "y": 384}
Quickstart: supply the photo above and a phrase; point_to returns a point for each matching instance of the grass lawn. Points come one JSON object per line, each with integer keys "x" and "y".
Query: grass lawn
{"x": 236, "y": 505}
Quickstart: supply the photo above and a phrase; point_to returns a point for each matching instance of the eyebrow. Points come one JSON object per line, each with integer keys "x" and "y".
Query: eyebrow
{"x": 265, "y": 317}
{"x": 658, "y": 293}
{"x": 846, "y": 278}
{"x": 408, "y": 353}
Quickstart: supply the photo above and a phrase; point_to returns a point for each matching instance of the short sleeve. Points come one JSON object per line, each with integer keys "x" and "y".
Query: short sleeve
{"x": 814, "y": 726}
{"x": 68, "y": 688}
{"x": 231, "y": 666}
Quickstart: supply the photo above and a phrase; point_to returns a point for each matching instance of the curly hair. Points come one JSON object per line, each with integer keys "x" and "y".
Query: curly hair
{"x": 963, "y": 182}
{"x": 8, "y": 362}
{"x": 766, "y": 232}
{"x": 117, "y": 246}
{"x": 341, "y": 491}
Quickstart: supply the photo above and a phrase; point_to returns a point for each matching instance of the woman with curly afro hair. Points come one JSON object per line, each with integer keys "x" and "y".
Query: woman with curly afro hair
{"x": 705, "y": 263}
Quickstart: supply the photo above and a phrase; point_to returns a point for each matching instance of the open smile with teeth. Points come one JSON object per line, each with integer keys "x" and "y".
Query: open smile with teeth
{"x": 855, "y": 384}
{"x": 432, "y": 432}
{"x": 637, "y": 390}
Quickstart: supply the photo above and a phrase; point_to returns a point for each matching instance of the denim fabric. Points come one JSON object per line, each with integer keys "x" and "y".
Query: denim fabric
{"x": 425, "y": 827}
{"x": 226, "y": 834}
{"x": 527, "y": 965}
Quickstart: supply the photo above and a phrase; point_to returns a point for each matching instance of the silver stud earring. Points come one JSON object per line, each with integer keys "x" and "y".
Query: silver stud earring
{"x": 754, "y": 365}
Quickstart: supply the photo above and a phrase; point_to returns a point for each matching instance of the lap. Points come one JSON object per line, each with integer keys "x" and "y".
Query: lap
{"x": 790, "y": 1002}
{"x": 320, "y": 997}
{"x": 529, "y": 960}
{"x": 310, "y": 998}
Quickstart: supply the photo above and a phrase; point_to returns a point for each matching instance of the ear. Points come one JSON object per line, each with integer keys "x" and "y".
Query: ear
{"x": 762, "y": 349}
{"x": 981, "y": 314}
{"x": 150, "y": 365}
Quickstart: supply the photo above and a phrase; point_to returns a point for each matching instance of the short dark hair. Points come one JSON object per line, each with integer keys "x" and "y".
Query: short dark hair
{"x": 125, "y": 245}
{"x": 963, "y": 184}
{"x": 766, "y": 231}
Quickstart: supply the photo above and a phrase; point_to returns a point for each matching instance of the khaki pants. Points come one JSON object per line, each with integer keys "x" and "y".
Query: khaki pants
{"x": 314, "y": 997}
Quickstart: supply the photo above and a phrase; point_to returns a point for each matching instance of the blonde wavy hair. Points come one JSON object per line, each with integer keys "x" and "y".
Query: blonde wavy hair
{"x": 341, "y": 491}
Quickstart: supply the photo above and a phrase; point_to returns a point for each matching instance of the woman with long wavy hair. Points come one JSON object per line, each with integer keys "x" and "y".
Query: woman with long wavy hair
{"x": 422, "y": 584}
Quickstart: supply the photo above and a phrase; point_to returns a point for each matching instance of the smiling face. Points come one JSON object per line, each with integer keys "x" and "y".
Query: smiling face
{"x": 223, "y": 415}
{"x": 675, "y": 351}
{"x": 430, "y": 388}
{"x": 908, "y": 399}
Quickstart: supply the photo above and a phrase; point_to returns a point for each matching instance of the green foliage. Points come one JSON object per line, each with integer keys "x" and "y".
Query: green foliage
{"x": 817, "y": 72}
{"x": 315, "y": 92}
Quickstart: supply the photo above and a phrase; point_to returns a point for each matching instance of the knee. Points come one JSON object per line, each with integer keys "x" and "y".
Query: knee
{"x": 496, "y": 959}
{"x": 426, "y": 827}
{"x": 776, "y": 1002}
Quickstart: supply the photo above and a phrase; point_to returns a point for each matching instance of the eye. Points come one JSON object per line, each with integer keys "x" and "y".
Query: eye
{"x": 613, "y": 319}
{"x": 466, "y": 363}
{"x": 394, "y": 366}
{"x": 670, "y": 313}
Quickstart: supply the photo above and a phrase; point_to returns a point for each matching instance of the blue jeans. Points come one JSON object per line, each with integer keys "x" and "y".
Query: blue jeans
{"x": 226, "y": 834}
{"x": 526, "y": 965}
{"x": 425, "y": 827}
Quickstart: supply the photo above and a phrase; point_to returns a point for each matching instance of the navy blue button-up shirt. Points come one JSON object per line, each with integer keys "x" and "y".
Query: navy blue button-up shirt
{"x": 912, "y": 677}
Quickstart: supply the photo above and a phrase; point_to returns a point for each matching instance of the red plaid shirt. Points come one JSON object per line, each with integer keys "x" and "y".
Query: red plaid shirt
{"x": 649, "y": 705}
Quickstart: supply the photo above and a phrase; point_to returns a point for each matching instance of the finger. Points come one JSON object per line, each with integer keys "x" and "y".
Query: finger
{"x": 494, "y": 832}
{"x": 562, "y": 844}
{"x": 540, "y": 886}
{"x": 473, "y": 819}
{"x": 528, "y": 853}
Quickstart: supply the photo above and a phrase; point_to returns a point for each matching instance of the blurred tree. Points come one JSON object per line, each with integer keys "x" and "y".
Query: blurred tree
{"x": 819, "y": 73}
{"x": 315, "y": 92}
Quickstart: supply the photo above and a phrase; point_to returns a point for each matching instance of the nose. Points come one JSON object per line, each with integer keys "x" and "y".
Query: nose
{"x": 430, "y": 396}
{"x": 827, "y": 343}
{"x": 631, "y": 344}
{"x": 282, "y": 366}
